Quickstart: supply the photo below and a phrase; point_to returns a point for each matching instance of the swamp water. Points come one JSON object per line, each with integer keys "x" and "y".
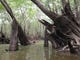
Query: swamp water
{"x": 34, "y": 52}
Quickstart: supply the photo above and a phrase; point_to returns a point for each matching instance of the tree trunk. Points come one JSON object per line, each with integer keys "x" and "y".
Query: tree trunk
{"x": 68, "y": 11}
{"x": 16, "y": 30}
{"x": 72, "y": 50}
{"x": 22, "y": 36}
{"x": 46, "y": 44}
{"x": 13, "y": 40}
{"x": 76, "y": 4}
{"x": 50, "y": 14}
{"x": 65, "y": 25}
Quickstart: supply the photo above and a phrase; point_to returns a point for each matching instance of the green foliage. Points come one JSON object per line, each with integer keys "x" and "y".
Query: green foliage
{"x": 1, "y": 7}
{"x": 15, "y": 3}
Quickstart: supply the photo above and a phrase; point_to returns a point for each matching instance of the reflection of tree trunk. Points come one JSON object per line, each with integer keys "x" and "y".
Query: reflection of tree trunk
{"x": 52, "y": 55}
{"x": 46, "y": 52}
{"x": 12, "y": 56}
{"x": 22, "y": 55}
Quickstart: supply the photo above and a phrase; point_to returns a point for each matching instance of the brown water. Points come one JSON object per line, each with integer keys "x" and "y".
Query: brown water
{"x": 35, "y": 52}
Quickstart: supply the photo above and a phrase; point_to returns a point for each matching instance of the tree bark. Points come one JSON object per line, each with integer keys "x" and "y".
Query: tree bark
{"x": 50, "y": 14}
{"x": 76, "y": 4}
{"x": 72, "y": 50}
{"x": 65, "y": 25}
{"x": 22, "y": 36}
{"x": 68, "y": 11}
{"x": 15, "y": 29}
{"x": 13, "y": 39}
{"x": 46, "y": 44}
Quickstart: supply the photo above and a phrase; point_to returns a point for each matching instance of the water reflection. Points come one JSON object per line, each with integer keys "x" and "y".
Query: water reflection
{"x": 19, "y": 55}
{"x": 16, "y": 56}
{"x": 12, "y": 56}
{"x": 46, "y": 52}
{"x": 52, "y": 55}
{"x": 36, "y": 52}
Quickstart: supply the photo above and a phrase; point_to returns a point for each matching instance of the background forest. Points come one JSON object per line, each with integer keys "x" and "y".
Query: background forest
{"x": 27, "y": 15}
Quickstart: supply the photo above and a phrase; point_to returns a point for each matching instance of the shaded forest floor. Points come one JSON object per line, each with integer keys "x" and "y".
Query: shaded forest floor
{"x": 35, "y": 51}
